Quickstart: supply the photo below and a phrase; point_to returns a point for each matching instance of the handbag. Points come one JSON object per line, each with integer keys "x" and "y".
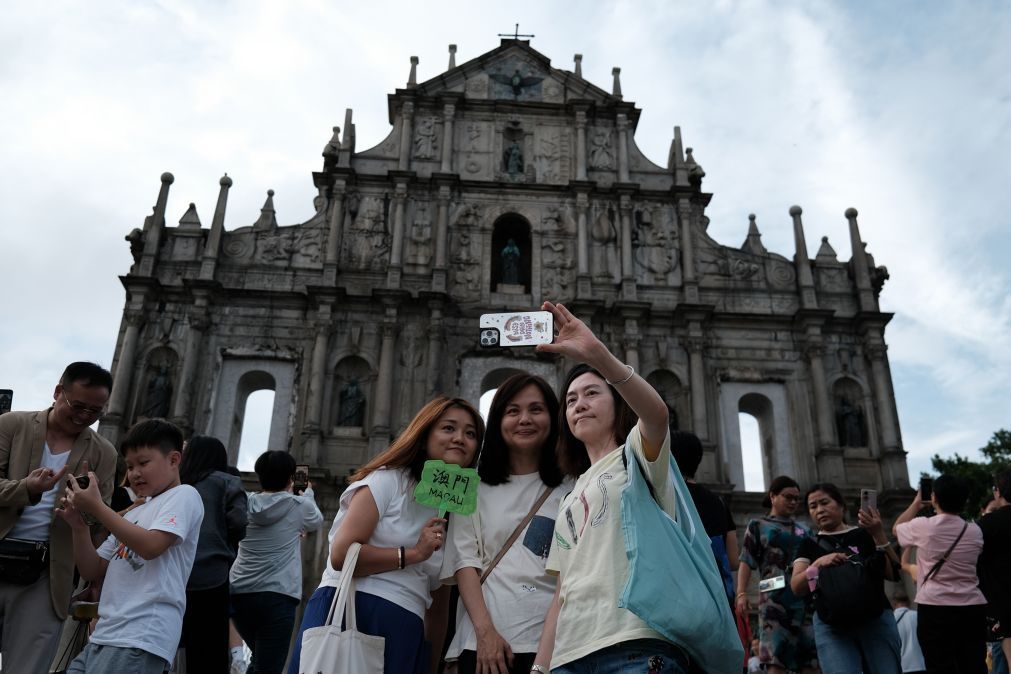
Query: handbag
{"x": 673, "y": 584}
{"x": 847, "y": 594}
{"x": 22, "y": 562}
{"x": 328, "y": 649}
{"x": 744, "y": 631}
{"x": 516, "y": 532}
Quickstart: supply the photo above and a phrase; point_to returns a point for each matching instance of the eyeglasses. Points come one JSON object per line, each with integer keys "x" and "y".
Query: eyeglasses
{"x": 81, "y": 408}
{"x": 792, "y": 498}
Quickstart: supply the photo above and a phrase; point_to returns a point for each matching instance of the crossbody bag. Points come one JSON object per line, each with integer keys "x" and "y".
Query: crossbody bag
{"x": 937, "y": 566}
{"x": 22, "y": 562}
{"x": 516, "y": 532}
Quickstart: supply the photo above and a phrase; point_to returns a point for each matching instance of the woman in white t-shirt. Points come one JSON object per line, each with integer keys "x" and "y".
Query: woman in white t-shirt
{"x": 585, "y": 629}
{"x": 398, "y": 595}
{"x": 499, "y": 622}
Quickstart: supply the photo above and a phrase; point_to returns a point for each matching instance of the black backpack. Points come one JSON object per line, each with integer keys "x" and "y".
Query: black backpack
{"x": 847, "y": 594}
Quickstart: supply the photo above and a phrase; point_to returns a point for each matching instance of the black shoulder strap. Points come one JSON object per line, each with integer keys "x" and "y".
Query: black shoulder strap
{"x": 624, "y": 462}
{"x": 937, "y": 567}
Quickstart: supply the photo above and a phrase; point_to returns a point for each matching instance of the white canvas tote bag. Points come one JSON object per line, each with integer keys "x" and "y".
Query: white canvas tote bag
{"x": 328, "y": 649}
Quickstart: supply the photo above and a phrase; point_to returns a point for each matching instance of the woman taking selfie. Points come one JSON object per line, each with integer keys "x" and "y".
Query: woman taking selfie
{"x": 503, "y": 610}
{"x": 853, "y": 625}
{"x": 398, "y": 567}
{"x": 770, "y": 546}
{"x": 585, "y": 629}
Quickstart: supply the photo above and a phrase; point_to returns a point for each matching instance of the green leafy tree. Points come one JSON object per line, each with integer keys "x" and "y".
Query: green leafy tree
{"x": 978, "y": 474}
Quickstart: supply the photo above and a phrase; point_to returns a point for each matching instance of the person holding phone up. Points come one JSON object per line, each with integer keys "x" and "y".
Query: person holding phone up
{"x": 770, "y": 546}
{"x": 845, "y": 567}
{"x": 951, "y": 607}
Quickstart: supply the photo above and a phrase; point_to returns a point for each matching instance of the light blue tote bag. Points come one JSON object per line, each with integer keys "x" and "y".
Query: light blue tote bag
{"x": 673, "y": 584}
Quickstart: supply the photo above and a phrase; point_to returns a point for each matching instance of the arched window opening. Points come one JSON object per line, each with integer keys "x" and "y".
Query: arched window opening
{"x": 255, "y": 425}
{"x": 673, "y": 393}
{"x": 755, "y": 414}
{"x": 751, "y": 453}
{"x": 261, "y": 415}
{"x": 511, "y": 255}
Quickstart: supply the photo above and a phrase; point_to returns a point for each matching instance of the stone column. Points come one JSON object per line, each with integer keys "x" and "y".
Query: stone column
{"x": 152, "y": 234}
{"x": 805, "y": 279}
{"x": 397, "y": 247}
{"x": 580, "y": 145}
{"x": 687, "y": 252}
{"x": 433, "y": 384}
{"x": 583, "y": 287}
{"x": 861, "y": 270}
{"x": 210, "y": 259}
{"x": 448, "y": 111}
{"x": 317, "y": 382}
{"x": 696, "y": 366}
{"x": 123, "y": 378}
{"x": 441, "y": 237}
{"x": 379, "y": 435}
{"x": 406, "y": 134}
{"x": 625, "y": 211}
{"x": 822, "y": 407}
{"x": 632, "y": 344}
{"x": 621, "y": 123}
{"x": 876, "y": 353}
{"x": 182, "y": 414}
{"x": 333, "y": 237}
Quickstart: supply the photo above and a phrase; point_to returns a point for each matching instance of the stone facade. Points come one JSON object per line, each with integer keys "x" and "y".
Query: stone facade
{"x": 358, "y": 315}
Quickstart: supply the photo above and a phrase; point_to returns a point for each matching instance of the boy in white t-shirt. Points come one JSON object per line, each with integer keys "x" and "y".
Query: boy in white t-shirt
{"x": 146, "y": 560}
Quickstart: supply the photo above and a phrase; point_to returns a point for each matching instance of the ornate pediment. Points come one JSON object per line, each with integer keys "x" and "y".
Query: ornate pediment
{"x": 513, "y": 72}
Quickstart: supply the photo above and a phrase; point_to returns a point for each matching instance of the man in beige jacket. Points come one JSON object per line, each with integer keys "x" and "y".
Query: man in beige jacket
{"x": 38, "y": 451}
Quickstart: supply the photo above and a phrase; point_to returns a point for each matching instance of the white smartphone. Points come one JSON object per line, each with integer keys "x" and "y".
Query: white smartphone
{"x": 770, "y": 584}
{"x": 519, "y": 328}
{"x": 868, "y": 499}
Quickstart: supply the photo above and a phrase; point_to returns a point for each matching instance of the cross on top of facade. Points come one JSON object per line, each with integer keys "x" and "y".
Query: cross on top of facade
{"x": 516, "y": 34}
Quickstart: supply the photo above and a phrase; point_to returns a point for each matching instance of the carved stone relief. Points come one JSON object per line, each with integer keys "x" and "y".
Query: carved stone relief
{"x": 557, "y": 265}
{"x": 601, "y": 149}
{"x": 517, "y": 78}
{"x": 551, "y": 158}
{"x": 477, "y": 87}
{"x": 832, "y": 279}
{"x": 426, "y": 145}
{"x": 781, "y": 273}
{"x": 465, "y": 255}
{"x": 655, "y": 249}
{"x": 368, "y": 241}
{"x": 605, "y": 262}
{"x": 419, "y": 250}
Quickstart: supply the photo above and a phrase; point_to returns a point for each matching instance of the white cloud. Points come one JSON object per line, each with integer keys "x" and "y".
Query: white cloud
{"x": 899, "y": 110}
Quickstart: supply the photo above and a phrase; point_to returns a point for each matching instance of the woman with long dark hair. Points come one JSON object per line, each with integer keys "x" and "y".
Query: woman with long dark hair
{"x": 861, "y": 633}
{"x": 770, "y": 545}
{"x": 503, "y": 606}
{"x": 398, "y": 595}
{"x": 205, "y": 623}
{"x": 585, "y": 628}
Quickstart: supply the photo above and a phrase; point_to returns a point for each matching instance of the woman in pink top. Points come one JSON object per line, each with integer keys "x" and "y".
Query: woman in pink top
{"x": 951, "y": 607}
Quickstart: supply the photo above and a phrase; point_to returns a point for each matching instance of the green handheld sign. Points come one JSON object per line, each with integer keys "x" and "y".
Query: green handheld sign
{"x": 447, "y": 487}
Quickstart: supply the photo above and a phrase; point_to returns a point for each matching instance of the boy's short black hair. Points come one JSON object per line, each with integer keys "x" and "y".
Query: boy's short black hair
{"x": 687, "y": 450}
{"x": 951, "y": 493}
{"x": 275, "y": 469}
{"x": 158, "y": 433}
{"x": 86, "y": 374}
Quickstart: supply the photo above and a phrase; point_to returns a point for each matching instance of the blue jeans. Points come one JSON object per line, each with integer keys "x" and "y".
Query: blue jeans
{"x": 997, "y": 655}
{"x": 639, "y": 656}
{"x": 875, "y": 642}
{"x": 265, "y": 621}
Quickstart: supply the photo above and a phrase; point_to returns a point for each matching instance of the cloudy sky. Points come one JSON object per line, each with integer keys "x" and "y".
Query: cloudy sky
{"x": 900, "y": 109}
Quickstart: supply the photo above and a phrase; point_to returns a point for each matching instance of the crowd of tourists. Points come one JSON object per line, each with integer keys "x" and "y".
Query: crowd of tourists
{"x": 591, "y": 548}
